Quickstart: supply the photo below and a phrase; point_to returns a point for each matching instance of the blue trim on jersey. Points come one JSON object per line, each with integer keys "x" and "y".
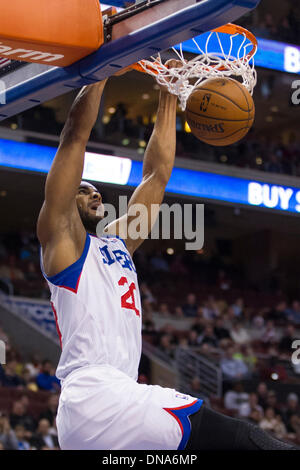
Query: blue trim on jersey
{"x": 182, "y": 414}
{"x": 115, "y": 236}
{"x": 69, "y": 276}
{"x": 123, "y": 241}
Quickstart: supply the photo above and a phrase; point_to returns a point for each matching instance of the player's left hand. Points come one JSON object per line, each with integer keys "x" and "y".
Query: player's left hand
{"x": 171, "y": 63}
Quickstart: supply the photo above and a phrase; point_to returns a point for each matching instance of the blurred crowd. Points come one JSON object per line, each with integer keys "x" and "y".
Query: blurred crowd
{"x": 251, "y": 345}
{"x": 20, "y": 271}
{"x": 248, "y": 342}
{"x": 21, "y": 430}
{"x": 263, "y": 408}
{"x": 285, "y": 29}
{"x": 256, "y": 152}
{"x": 29, "y": 393}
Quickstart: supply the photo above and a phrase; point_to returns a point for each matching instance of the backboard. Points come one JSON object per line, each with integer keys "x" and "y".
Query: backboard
{"x": 136, "y": 32}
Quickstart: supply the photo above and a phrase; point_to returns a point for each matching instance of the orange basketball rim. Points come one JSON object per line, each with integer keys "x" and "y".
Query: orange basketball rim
{"x": 229, "y": 28}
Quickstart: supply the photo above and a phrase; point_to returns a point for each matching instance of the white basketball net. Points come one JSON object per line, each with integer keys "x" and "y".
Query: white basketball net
{"x": 205, "y": 65}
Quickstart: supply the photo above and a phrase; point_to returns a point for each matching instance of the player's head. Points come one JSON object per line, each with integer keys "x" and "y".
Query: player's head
{"x": 90, "y": 206}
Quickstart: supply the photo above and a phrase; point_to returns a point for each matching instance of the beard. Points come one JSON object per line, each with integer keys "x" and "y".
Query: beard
{"x": 89, "y": 221}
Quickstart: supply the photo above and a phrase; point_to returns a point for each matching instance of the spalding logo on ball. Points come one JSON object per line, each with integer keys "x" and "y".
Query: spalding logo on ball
{"x": 220, "y": 111}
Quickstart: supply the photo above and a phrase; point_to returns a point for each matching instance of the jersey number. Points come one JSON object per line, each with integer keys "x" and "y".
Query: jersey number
{"x": 127, "y": 299}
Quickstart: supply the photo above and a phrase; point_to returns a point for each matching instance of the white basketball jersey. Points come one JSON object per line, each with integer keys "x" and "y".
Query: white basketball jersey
{"x": 97, "y": 309}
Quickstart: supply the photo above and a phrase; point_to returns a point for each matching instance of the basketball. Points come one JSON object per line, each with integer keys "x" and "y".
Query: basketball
{"x": 220, "y": 111}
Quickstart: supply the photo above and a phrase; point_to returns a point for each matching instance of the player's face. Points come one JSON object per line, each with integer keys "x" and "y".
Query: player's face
{"x": 90, "y": 206}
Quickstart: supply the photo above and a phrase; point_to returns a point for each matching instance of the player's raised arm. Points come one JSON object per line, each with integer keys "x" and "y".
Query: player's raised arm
{"x": 158, "y": 164}
{"x": 60, "y": 229}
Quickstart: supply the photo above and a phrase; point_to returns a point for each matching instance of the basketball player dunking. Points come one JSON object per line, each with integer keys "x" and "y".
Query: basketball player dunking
{"x": 97, "y": 308}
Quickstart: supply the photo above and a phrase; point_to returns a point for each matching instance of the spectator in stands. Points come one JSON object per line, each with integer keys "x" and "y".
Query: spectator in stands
{"x": 163, "y": 310}
{"x": 193, "y": 338}
{"x": 257, "y": 325}
{"x": 245, "y": 354}
{"x": 46, "y": 380}
{"x": 199, "y": 325}
{"x": 43, "y": 439}
{"x": 32, "y": 275}
{"x": 53, "y": 430}
{"x": 273, "y": 424}
{"x": 261, "y": 30}
{"x": 25, "y": 402}
{"x": 190, "y": 307}
{"x": 20, "y": 433}
{"x": 210, "y": 309}
{"x": 51, "y": 411}
{"x": 262, "y": 394}
{"x": 179, "y": 312}
{"x": 285, "y": 344}
{"x": 34, "y": 365}
{"x": 19, "y": 416}
{"x": 166, "y": 345}
{"x": 233, "y": 369}
{"x": 281, "y": 431}
{"x": 269, "y": 334}
{"x": 291, "y": 413}
{"x": 273, "y": 165}
{"x": 29, "y": 381}
{"x": 285, "y": 32}
{"x": 149, "y": 329}
{"x": 223, "y": 281}
{"x": 220, "y": 331}
{"x": 10, "y": 271}
{"x": 293, "y": 313}
{"x": 238, "y": 307}
{"x": 251, "y": 406}
{"x": 9, "y": 377}
{"x": 255, "y": 417}
{"x": 295, "y": 425}
{"x": 146, "y": 293}
{"x": 239, "y": 334}
{"x": 208, "y": 337}
{"x": 147, "y": 308}
{"x": 270, "y": 24}
{"x": 229, "y": 318}
{"x": 249, "y": 357}
{"x": 272, "y": 402}
{"x": 7, "y": 436}
{"x": 279, "y": 312}
{"x": 118, "y": 118}
{"x": 235, "y": 398}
